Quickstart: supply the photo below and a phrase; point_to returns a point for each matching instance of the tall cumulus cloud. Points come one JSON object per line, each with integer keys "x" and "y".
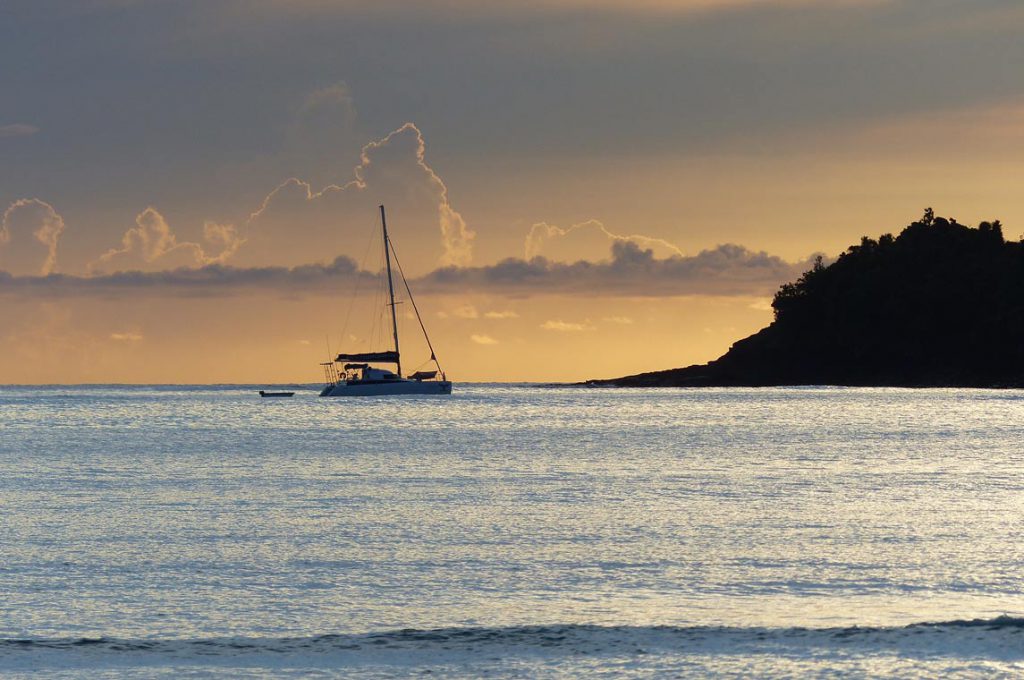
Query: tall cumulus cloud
{"x": 29, "y": 233}
{"x": 297, "y": 224}
{"x": 152, "y": 243}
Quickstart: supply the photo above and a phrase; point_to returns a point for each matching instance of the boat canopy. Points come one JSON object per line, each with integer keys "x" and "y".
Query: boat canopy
{"x": 389, "y": 357}
{"x": 423, "y": 375}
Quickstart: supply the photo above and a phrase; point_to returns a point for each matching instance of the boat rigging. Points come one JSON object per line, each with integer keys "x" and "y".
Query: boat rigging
{"x": 358, "y": 378}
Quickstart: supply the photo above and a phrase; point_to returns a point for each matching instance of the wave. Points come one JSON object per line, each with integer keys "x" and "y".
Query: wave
{"x": 1001, "y": 638}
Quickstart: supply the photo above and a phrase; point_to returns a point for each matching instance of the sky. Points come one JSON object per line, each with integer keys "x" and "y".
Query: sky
{"x": 189, "y": 188}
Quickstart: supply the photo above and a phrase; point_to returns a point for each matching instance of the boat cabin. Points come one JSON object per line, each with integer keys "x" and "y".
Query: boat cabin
{"x": 366, "y": 373}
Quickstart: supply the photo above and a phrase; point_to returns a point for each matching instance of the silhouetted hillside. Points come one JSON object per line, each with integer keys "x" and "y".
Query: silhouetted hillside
{"x": 942, "y": 304}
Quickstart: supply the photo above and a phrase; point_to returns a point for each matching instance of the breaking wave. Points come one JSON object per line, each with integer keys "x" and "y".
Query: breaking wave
{"x": 1000, "y": 638}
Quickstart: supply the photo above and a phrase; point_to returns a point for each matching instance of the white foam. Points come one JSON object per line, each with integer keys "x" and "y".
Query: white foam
{"x": 999, "y": 640}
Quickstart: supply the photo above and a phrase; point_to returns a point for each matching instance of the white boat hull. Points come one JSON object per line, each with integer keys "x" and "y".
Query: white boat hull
{"x": 391, "y": 387}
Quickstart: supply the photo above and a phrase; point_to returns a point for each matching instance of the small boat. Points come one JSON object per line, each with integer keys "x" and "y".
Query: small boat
{"x": 265, "y": 393}
{"x": 357, "y": 378}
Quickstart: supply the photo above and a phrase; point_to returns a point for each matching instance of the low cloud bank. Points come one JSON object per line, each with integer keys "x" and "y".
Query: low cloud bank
{"x": 631, "y": 272}
{"x": 210, "y": 280}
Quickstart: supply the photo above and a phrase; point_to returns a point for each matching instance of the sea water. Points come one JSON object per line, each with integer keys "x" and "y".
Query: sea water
{"x": 511, "y": 531}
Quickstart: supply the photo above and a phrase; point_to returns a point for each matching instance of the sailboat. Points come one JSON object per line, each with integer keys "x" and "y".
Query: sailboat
{"x": 357, "y": 378}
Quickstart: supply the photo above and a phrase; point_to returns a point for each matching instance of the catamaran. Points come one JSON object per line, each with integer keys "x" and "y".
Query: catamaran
{"x": 357, "y": 378}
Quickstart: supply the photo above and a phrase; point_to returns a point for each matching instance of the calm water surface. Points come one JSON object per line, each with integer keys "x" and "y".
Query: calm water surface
{"x": 542, "y": 532}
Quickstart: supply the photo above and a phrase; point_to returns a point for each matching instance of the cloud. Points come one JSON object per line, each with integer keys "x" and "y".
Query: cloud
{"x": 461, "y": 9}
{"x": 210, "y": 280}
{"x": 681, "y": 78}
{"x": 151, "y": 244}
{"x": 223, "y": 236}
{"x": 507, "y": 314}
{"x": 483, "y": 339}
{"x": 585, "y": 240}
{"x": 337, "y": 97}
{"x": 18, "y": 130}
{"x": 566, "y": 327}
{"x": 456, "y": 236}
{"x": 686, "y": 73}
{"x": 466, "y": 312}
{"x": 322, "y": 134}
{"x": 727, "y": 270}
{"x": 126, "y": 337}
{"x": 724, "y": 270}
{"x": 29, "y": 232}
{"x": 621, "y": 320}
{"x": 296, "y": 224}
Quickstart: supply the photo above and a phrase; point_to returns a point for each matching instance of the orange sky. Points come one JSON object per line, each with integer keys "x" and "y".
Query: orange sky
{"x": 670, "y": 168}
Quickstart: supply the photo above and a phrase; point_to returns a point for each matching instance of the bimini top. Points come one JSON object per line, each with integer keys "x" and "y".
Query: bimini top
{"x": 389, "y": 357}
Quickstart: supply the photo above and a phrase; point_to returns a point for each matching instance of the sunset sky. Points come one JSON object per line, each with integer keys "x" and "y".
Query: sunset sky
{"x": 575, "y": 189}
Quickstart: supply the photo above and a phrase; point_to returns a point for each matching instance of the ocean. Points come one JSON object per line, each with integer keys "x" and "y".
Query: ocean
{"x": 511, "y": 531}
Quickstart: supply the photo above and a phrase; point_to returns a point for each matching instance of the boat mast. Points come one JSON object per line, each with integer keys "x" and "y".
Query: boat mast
{"x": 391, "y": 291}
{"x": 408, "y": 291}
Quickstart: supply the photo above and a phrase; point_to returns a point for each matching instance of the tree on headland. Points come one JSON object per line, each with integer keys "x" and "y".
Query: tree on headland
{"x": 939, "y": 304}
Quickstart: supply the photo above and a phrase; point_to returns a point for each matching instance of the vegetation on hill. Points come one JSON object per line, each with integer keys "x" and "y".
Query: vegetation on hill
{"x": 941, "y": 304}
